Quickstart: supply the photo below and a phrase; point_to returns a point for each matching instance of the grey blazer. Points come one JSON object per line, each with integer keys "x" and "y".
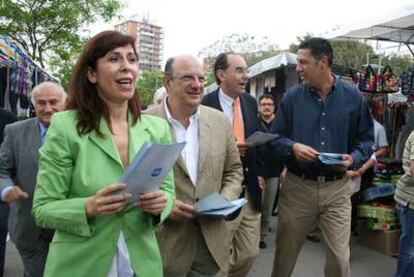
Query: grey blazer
{"x": 18, "y": 166}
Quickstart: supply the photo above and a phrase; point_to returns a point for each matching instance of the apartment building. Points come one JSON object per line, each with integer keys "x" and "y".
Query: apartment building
{"x": 149, "y": 42}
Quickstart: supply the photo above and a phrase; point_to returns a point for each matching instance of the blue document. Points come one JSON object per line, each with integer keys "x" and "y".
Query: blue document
{"x": 150, "y": 167}
{"x": 331, "y": 159}
{"x": 216, "y": 204}
{"x": 259, "y": 137}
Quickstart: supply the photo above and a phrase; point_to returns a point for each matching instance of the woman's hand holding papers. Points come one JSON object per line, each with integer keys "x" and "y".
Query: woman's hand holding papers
{"x": 182, "y": 211}
{"x": 105, "y": 202}
{"x": 152, "y": 202}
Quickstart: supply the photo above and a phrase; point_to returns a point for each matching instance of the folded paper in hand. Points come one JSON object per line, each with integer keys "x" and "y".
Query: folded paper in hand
{"x": 259, "y": 137}
{"x": 150, "y": 167}
{"x": 216, "y": 204}
{"x": 331, "y": 159}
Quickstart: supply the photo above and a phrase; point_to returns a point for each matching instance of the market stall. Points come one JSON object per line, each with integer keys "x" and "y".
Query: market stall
{"x": 18, "y": 75}
{"x": 379, "y": 227}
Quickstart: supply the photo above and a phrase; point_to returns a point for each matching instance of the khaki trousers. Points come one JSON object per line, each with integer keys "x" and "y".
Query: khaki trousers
{"x": 303, "y": 205}
{"x": 245, "y": 237}
{"x": 200, "y": 263}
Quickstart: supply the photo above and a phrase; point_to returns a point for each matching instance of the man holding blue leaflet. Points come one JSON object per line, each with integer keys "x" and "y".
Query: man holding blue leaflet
{"x": 324, "y": 114}
{"x": 191, "y": 244}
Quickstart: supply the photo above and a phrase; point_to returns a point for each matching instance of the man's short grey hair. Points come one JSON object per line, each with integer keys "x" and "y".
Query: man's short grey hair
{"x": 39, "y": 87}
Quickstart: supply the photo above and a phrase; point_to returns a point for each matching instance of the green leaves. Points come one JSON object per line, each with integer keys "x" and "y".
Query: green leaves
{"x": 148, "y": 84}
{"x": 49, "y": 30}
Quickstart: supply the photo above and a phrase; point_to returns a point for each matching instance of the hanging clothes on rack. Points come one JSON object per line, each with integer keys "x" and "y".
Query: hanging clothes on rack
{"x": 18, "y": 75}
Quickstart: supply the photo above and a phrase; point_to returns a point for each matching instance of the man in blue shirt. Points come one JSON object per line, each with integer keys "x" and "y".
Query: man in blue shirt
{"x": 323, "y": 114}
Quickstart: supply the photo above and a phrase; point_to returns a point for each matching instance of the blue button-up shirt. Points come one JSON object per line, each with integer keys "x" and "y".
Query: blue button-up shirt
{"x": 42, "y": 131}
{"x": 340, "y": 124}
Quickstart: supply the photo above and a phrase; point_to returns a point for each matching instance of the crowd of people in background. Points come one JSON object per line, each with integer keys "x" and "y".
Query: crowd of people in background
{"x": 70, "y": 215}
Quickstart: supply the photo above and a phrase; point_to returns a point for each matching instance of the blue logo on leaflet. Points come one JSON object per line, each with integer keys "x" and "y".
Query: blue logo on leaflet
{"x": 156, "y": 172}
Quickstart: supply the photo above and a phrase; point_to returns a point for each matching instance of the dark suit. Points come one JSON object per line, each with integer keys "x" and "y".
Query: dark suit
{"x": 245, "y": 228}
{"x": 19, "y": 156}
{"x": 252, "y": 163}
{"x": 5, "y": 118}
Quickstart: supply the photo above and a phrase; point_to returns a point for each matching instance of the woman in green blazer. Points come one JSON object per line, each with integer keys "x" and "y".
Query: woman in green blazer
{"x": 87, "y": 149}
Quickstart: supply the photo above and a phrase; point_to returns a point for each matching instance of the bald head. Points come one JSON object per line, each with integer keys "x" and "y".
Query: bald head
{"x": 173, "y": 61}
{"x": 184, "y": 81}
{"x": 48, "y": 86}
{"x": 47, "y": 98}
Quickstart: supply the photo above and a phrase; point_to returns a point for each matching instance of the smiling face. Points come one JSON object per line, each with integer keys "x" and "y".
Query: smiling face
{"x": 234, "y": 78}
{"x": 186, "y": 85}
{"x": 116, "y": 75}
{"x": 47, "y": 101}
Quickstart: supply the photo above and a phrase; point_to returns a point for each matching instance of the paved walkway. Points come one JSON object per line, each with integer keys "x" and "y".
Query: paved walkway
{"x": 364, "y": 261}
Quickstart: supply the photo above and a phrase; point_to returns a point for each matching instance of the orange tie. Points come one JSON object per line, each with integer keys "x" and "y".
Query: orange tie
{"x": 238, "y": 129}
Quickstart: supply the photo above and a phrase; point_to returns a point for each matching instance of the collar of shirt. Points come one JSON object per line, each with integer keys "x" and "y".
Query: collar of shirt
{"x": 191, "y": 137}
{"x": 334, "y": 84}
{"x": 43, "y": 130}
{"x": 173, "y": 121}
{"x": 226, "y": 103}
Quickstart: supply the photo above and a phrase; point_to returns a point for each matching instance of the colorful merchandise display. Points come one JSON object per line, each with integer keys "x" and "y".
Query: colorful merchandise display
{"x": 18, "y": 75}
{"x": 372, "y": 81}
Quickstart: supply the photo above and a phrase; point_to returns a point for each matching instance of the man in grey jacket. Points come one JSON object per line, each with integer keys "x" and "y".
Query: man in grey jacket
{"x": 18, "y": 170}
{"x": 6, "y": 117}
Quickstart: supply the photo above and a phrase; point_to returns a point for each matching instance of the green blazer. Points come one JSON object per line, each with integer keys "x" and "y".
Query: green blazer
{"x": 72, "y": 168}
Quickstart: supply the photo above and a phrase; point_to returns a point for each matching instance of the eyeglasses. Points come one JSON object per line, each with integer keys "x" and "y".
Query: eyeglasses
{"x": 191, "y": 78}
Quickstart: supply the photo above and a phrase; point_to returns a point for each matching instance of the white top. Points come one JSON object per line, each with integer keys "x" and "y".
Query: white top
{"x": 190, "y": 136}
{"x": 121, "y": 264}
{"x": 226, "y": 103}
{"x": 380, "y": 137}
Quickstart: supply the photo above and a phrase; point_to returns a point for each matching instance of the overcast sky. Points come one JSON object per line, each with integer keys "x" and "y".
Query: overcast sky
{"x": 190, "y": 25}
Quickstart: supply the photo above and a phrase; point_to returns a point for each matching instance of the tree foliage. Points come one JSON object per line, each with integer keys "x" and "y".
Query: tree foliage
{"x": 252, "y": 48}
{"x": 236, "y": 43}
{"x": 148, "y": 84}
{"x": 398, "y": 64}
{"x": 351, "y": 54}
{"x": 51, "y": 28}
{"x": 355, "y": 55}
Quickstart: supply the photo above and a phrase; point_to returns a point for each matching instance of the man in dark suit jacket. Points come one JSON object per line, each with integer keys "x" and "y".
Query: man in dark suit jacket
{"x": 231, "y": 75}
{"x": 6, "y": 117}
{"x": 18, "y": 170}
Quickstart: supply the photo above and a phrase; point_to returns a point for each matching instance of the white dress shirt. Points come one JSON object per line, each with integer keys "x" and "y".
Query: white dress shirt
{"x": 190, "y": 136}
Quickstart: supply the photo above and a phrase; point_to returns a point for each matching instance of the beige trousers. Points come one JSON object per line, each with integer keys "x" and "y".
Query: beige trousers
{"x": 199, "y": 263}
{"x": 303, "y": 205}
{"x": 244, "y": 244}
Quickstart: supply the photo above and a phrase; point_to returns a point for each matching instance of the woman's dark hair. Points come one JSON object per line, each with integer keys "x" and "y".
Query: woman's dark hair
{"x": 83, "y": 95}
